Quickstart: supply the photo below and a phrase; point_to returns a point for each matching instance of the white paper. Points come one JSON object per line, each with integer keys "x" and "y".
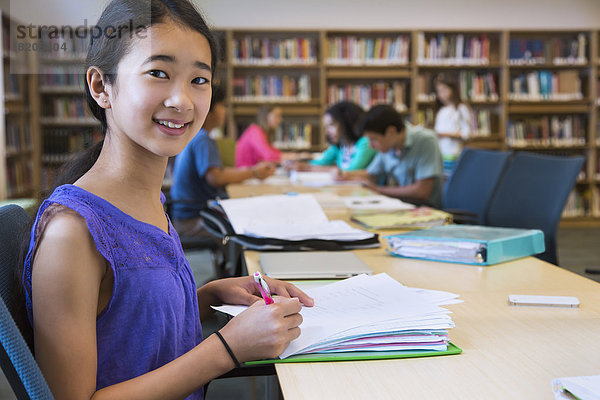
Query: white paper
{"x": 364, "y": 305}
{"x": 584, "y": 387}
{"x": 288, "y": 217}
{"x": 377, "y": 202}
{"x": 330, "y": 230}
{"x": 282, "y": 210}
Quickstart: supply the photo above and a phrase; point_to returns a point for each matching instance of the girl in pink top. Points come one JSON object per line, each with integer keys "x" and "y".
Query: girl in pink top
{"x": 253, "y": 147}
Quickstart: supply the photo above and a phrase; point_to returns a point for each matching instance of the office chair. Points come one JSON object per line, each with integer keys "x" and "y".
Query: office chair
{"x": 16, "y": 360}
{"x": 226, "y": 147}
{"x": 470, "y": 187}
{"x": 532, "y": 194}
{"x": 216, "y": 249}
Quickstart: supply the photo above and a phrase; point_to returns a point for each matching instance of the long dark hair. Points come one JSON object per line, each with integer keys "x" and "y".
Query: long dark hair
{"x": 118, "y": 25}
{"x": 454, "y": 97}
{"x": 347, "y": 115}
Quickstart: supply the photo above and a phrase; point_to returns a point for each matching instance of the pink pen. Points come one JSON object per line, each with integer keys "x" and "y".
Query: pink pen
{"x": 263, "y": 288}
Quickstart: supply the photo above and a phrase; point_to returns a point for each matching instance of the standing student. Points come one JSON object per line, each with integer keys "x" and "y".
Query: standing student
{"x": 109, "y": 293}
{"x": 199, "y": 175}
{"x": 453, "y": 122}
{"x": 408, "y": 159}
{"x": 349, "y": 150}
{"x": 253, "y": 145}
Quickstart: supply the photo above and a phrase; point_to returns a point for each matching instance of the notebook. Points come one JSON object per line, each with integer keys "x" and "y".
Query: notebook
{"x": 468, "y": 244}
{"x": 418, "y": 218}
{"x": 372, "y": 316}
{"x": 312, "y": 265}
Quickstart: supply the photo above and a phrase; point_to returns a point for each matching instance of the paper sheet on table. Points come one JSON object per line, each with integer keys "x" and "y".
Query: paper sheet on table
{"x": 330, "y": 230}
{"x": 584, "y": 387}
{"x": 358, "y": 302}
{"x": 268, "y": 210}
{"x": 376, "y": 203}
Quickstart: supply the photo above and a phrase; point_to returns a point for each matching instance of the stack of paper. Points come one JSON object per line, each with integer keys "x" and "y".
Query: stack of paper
{"x": 377, "y": 202}
{"x": 422, "y": 217}
{"x": 374, "y": 313}
{"x": 580, "y": 387}
{"x": 313, "y": 179}
{"x": 289, "y": 217}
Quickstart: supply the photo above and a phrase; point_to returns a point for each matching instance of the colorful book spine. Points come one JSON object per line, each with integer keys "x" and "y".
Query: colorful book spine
{"x": 570, "y": 50}
{"x": 352, "y": 50}
{"x": 543, "y": 85}
{"x": 547, "y": 131}
{"x": 453, "y": 49}
{"x": 272, "y": 88}
{"x": 252, "y": 50}
{"x": 367, "y": 95}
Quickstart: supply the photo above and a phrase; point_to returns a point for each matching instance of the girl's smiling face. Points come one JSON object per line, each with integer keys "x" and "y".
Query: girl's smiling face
{"x": 163, "y": 88}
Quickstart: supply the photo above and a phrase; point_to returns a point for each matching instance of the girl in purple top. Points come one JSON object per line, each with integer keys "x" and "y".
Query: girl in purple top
{"x": 110, "y": 295}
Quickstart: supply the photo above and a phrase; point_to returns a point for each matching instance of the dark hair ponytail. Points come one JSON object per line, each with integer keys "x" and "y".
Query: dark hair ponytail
{"x": 347, "y": 114}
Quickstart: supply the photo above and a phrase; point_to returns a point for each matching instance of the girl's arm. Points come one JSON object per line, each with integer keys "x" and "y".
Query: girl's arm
{"x": 265, "y": 151}
{"x": 221, "y": 176}
{"x": 328, "y": 157}
{"x": 67, "y": 277}
{"x": 363, "y": 155}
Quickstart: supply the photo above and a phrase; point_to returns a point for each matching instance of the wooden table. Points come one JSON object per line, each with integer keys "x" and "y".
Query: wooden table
{"x": 508, "y": 352}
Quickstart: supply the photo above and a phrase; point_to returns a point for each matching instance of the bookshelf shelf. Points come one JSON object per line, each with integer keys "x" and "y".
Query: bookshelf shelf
{"x": 368, "y": 73}
{"x": 69, "y": 122}
{"x": 548, "y": 108}
{"x": 57, "y": 89}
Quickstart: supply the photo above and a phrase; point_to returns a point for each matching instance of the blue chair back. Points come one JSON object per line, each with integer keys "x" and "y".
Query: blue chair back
{"x": 16, "y": 360}
{"x": 471, "y": 186}
{"x": 532, "y": 194}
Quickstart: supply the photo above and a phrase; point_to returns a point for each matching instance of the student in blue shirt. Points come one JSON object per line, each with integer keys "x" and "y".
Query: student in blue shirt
{"x": 408, "y": 159}
{"x": 349, "y": 150}
{"x": 199, "y": 175}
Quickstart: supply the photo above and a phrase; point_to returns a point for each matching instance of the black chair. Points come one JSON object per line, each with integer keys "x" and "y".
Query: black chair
{"x": 16, "y": 360}
{"x": 532, "y": 194}
{"x": 470, "y": 187}
{"x": 217, "y": 250}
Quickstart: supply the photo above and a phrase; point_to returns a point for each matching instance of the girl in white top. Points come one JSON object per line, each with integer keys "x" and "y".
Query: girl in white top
{"x": 453, "y": 120}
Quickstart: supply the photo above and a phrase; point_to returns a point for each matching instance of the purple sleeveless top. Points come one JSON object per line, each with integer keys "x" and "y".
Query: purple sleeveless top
{"x": 152, "y": 317}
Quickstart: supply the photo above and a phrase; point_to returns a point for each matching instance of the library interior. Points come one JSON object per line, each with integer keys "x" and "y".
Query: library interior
{"x": 428, "y": 172}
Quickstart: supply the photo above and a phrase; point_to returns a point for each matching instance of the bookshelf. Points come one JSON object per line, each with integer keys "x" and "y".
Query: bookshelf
{"x": 529, "y": 90}
{"x": 19, "y": 171}
{"x": 65, "y": 124}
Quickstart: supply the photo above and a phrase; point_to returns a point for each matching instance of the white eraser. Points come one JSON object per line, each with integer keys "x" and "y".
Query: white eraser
{"x": 531, "y": 300}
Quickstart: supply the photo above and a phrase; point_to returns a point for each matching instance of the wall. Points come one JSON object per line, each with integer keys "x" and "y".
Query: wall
{"x": 347, "y": 14}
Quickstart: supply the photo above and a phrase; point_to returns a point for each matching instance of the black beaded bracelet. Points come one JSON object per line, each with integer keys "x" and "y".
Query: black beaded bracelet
{"x": 236, "y": 362}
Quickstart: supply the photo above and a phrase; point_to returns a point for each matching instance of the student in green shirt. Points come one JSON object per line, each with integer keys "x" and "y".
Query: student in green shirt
{"x": 408, "y": 159}
{"x": 348, "y": 149}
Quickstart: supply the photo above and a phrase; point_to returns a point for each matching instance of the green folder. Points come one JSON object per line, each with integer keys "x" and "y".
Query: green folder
{"x": 359, "y": 356}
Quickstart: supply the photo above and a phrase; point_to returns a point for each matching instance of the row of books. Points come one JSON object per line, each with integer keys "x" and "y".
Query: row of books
{"x": 558, "y": 50}
{"x": 19, "y": 178}
{"x": 482, "y": 121}
{"x": 60, "y": 144}
{"x": 6, "y": 42}
{"x": 554, "y": 130}
{"x": 368, "y": 95}
{"x": 65, "y": 107}
{"x": 453, "y": 49}
{"x": 543, "y": 85}
{"x": 293, "y": 135}
{"x": 352, "y": 50}
{"x": 17, "y": 139}
{"x": 578, "y": 204}
{"x": 69, "y": 47}
{"x": 272, "y": 88}
{"x": 267, "y": 51}
{"x": 61, "y": 75}
{"x": 12, "y": 87}
{"x": 473, "y": 86}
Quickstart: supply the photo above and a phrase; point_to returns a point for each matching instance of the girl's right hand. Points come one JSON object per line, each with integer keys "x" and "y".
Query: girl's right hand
{"x": 264, "y": 331}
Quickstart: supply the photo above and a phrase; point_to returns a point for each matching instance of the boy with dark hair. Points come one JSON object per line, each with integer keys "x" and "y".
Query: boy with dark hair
{"x": 408, "y": 159}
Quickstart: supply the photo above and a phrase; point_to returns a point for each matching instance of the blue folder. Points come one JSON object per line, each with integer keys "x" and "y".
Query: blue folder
{"x": 467, "y": 244}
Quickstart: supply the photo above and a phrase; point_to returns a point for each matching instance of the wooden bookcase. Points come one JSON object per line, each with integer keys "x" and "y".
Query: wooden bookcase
{"x": 19, "y": 143}
{"x": 304, "y": 71}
